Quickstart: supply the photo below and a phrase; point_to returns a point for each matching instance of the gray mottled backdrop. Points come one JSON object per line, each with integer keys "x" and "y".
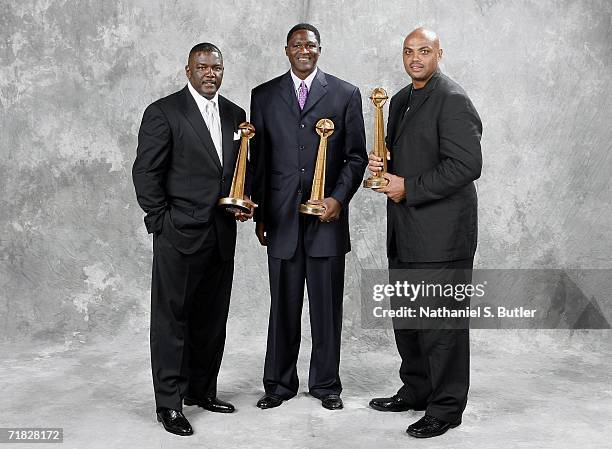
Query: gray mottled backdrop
{"x": 76, "y": 76}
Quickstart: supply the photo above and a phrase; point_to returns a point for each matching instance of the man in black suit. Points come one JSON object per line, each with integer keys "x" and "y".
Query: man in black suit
{"x": 187, "y": 148}
{"x": 433, "y": 136}
{"x": 302, "y": 248}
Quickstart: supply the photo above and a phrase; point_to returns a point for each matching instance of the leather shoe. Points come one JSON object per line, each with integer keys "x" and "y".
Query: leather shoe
{"x": 332, "y": 402}
{"x": 393, "y": 404}
{"x": 269, "y": 401}
{"x": 429, "y": 426}
{"x": 211, "y": 404}
{"x": 174, "y": 422}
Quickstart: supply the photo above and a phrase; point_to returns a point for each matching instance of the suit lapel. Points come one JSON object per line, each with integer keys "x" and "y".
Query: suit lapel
{"x": 397, "y": 116}
{"x": 318, "y": 89}
{"x": 227, "y": 133}
{"x": 416, "y": 104}
{"x": 194, "y": 117}
{"x": 287, "y": 91}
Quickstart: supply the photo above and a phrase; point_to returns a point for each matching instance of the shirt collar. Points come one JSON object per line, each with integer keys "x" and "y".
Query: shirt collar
{"x": 203, "y": 101}
{"x": 297, "y": 81}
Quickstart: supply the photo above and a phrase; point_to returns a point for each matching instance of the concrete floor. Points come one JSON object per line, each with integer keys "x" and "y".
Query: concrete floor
{"x": 530, "y": 389}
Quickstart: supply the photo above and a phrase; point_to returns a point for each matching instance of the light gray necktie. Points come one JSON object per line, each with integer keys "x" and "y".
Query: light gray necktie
{"x": 212, "y": 120}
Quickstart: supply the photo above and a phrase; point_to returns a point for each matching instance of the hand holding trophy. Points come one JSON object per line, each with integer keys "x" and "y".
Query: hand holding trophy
{"x": 376, "y": 181}
{"x": 236, "y": 203}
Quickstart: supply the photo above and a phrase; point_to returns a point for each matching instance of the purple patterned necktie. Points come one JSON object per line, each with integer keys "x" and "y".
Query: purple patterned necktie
{"x": 302, "y": 94}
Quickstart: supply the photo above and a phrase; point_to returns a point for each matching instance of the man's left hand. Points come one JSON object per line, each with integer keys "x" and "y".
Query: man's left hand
{"x": 332, "y": 209}
{"x": 395, "y": 190}
{"x": 243, "y": 216}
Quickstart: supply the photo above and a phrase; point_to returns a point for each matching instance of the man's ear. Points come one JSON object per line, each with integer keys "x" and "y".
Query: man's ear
{"x": 440, "y": 54}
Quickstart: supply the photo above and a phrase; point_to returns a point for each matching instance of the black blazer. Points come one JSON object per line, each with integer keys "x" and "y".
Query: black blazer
{"x": 436, "y": 148}
{"x": 283, "y": 155}
{"x": 177, "y": 173}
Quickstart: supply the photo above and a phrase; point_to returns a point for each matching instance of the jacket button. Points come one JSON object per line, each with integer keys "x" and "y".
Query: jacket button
{"x": 301, "y": 125}
{"x": 302, "y": 170}
{"x": 301, "y": 147}
{"x": 223, "y": 179}
{"x": 299, "y": 191}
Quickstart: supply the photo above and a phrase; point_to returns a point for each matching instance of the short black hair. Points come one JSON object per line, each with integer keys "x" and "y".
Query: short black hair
{"x": 304, "y": 26}
{"x": 205, "y": 47}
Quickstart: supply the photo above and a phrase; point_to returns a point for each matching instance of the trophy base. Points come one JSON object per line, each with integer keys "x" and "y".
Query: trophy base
{"x": 312, "y": 209}
{"x": 375, "y": 182}
{"x": 232, "y": 205}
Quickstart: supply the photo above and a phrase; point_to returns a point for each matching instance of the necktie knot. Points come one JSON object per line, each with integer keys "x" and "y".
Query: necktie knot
{"x": 302, "y": 94}
{"x": 210, "y": 108}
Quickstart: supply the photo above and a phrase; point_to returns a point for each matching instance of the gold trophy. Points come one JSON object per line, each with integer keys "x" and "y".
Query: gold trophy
{"x": 379, "y": 98}
{"x": 235, "y": 202}
{"x": 325, "y": 128}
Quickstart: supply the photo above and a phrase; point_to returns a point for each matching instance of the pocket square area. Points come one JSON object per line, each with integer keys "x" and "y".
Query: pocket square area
{"x": 236, "y": 136}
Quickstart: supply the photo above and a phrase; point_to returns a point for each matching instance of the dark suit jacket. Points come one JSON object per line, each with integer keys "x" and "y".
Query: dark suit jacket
{"x": 436, "y": 148}
{"x": 283, "y": 155}
{"x": 178, "y": 176}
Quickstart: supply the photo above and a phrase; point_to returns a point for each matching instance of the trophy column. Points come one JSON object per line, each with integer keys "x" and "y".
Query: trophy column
{"x": 325, "y": 128}
{"x": 235, "y": 201}
{"x": 379, "y": 98}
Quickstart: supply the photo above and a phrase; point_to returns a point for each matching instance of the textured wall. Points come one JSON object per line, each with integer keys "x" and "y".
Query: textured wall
{"x": 77, "y": 75}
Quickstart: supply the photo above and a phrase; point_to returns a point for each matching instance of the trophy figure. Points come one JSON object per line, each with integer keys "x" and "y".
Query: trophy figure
{"x": 235, "y": 202}
{"x": 325, "y": 128}
{"x": 379, "y": 98}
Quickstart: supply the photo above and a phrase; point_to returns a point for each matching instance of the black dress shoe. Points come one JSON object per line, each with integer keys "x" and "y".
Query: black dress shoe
{"x": 429, "y": 426}
{"x": 392, "y": 404}
{"x": 174, "y": 422}
{"x": 332, "y": 402}
{"x": 211, "y": 404}
{"x": 269, "y": 401}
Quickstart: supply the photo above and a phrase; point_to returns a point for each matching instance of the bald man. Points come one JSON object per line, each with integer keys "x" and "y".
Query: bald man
{"x": 433, "y": 136}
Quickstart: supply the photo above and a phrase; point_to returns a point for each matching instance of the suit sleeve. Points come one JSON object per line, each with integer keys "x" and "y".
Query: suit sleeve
{"x": 150, "y": 166}
{"x": 355, "y": 153}
{"x": 257, "y": 161}
{"x": 459, "y": 130}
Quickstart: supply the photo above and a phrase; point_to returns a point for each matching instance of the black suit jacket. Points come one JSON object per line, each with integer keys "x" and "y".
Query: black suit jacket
{"x": 283, "y": 155}
{"x": 436, "y": 148}
{"x": 178, "y": 176}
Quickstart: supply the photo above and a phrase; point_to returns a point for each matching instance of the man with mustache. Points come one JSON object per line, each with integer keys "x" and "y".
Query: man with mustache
{"x": 433, "y": 136}
{"x": 304, "y": 248}
{"x": 187, "y": 148}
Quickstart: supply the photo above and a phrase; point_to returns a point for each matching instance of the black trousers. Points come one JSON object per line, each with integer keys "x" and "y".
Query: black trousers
{"x": 435, "y": 368}
{"x": 324, "y": 278}
{"x": 190, "y": 298}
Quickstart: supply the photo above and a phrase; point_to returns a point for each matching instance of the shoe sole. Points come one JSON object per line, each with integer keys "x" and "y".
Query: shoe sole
{"x": 437, "y": 434}
{"x": 189, "y": 403}
{"x": 268, "y": 406}
{"x": 334, "y": 408}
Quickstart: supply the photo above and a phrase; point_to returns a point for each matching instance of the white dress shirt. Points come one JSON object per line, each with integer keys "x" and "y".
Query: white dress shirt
{"x": 297, "y": 81}
{"x": 210, "y": 112}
